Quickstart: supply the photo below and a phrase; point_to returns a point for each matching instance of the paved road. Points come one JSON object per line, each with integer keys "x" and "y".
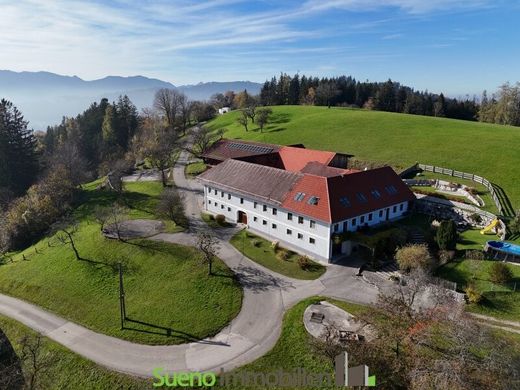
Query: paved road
{"x": 267, "y": 295}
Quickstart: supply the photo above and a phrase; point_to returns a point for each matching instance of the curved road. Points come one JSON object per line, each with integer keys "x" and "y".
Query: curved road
{"x": 267, "y": 295}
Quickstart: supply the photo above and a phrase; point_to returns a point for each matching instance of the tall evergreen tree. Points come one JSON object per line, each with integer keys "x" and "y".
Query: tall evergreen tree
{"x": 19, "y": 162}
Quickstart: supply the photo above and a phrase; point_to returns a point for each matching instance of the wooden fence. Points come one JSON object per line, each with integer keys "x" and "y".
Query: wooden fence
{"x": 463, "y": 175}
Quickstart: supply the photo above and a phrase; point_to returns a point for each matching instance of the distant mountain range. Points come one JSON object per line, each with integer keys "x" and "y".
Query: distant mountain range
{"x": 44, "y": 97}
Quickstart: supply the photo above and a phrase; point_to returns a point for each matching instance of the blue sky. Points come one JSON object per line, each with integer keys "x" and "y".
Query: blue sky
{"x": 456, "y": 47}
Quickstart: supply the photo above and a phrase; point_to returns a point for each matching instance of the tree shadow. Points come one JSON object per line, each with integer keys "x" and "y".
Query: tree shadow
{"x": 256, "y": 280}
{"x": 11, "y": 374}
{"x": 168, "y": 332}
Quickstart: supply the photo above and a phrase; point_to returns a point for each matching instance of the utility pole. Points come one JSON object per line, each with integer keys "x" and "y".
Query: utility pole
{"x": 122, "y": 297}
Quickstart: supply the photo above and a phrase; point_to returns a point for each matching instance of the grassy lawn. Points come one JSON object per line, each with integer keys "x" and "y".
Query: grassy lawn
{"x": 500, "y": 301}
{"x": 195, "y": 168}
{"x": 68, "y": 370}
{"x": 293, "y": 349}
{"x": 212, "y": 222}
{"x": 398, "y": 139}
{"x": 166, "y": 285}
{"x": 265, "y": 255}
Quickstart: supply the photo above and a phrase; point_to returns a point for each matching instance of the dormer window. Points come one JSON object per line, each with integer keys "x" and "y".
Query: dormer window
{"x": 361, "y": 197}
{"x": 376, "y": 194}
{"x": 313, "y": 200}
{"x": 344, "y": 201}
{"x": 299, "y": 196}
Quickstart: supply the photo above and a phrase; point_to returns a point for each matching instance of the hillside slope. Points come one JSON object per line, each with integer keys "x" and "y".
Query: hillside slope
{"x": 492, "y": 151}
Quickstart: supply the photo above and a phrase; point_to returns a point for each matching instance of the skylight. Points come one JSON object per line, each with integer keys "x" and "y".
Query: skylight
{"x": 313, "y": 200}
{"x": 299, "y": 196}
{"x": 376, "y": 194}
{"x": 391, "y": 190}
{"x": 361, "y": 197}
{"x": 344, "y": 201}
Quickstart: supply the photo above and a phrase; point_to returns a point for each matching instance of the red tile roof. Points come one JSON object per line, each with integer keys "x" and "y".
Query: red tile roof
{"x": 295, "y": 159}
{"x": 318, "y": 169}
{"x": 309, "y": 186}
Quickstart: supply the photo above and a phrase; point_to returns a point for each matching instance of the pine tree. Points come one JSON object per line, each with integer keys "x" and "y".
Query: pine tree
{"x": 19, "y": 163}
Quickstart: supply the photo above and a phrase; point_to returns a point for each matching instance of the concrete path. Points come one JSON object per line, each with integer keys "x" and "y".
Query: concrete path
{"x": 267, "y": 295}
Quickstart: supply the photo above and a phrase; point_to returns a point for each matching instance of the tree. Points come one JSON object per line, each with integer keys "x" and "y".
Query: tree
{"x": 514, "y": 224}
{"x": 168, "y": 103}
{"x": 385, "y": 97}
{"x": 326, "y": 92}
{"x": 243, "y": 119}
{"x": 439, "y": 107}
{"x": 500, "y": 273}
{"x": 208, "y": 245}
{"x": 66, "y": 229}
{"x": 19, "y": 160}
{"x": 447, "y": 235}
{"x": 413, "y": 256}
{"x": 171, "y": 206}
{"x": 37, "y": 362}
{"x": 11, "y": 374}
{"x": 203, "y": 138}
{"x": 251, "y": 109}
{"x": 328, "y": 344}
{"x": 263, "y": 117}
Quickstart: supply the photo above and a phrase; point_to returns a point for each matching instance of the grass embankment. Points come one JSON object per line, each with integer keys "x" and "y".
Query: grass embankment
{"x": 166, "y": 285}
{"x": 195, "y": 169}
{"x": 399, "y": 139}
{"x": 262, "y": 252}
{"x": 66, "y": 370}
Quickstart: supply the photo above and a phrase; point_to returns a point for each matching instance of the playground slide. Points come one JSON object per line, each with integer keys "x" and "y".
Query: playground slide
{"x": 489, "y": 227}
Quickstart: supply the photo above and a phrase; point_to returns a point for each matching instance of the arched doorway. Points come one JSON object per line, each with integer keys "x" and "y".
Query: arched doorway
{"x": 242, "y": 217}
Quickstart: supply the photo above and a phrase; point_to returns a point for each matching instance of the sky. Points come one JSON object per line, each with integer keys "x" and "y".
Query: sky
{"x": 456, "y": 47}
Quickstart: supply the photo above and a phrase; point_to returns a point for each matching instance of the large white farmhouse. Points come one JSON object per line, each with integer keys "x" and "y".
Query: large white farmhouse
{"x": 299, "y": 197}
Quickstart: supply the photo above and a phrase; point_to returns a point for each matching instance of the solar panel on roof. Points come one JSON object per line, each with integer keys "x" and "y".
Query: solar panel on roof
{"x": 250, "y": 148}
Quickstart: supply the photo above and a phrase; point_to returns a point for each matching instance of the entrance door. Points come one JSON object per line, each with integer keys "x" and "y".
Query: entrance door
{"x": 387, "y": 214}
{"x": 242, "y": 217}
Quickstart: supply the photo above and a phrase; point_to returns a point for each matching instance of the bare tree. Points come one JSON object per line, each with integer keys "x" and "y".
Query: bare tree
{"x": 207, "y": 243}
{"x": 66, "y": 229}
{"x": 243, "y": 119}
{"x": 171, "y": 206}
{"x": 328, "y": 344}
{"x": 11, "y": 374}
{"x": 203, "y": 138}
{"x": 185, "y": 113}
{"x": 102, "y": 216}
{"x": 36, "y": 362}
{"x": 250, "y": 110}
{"x": 168, "y": 103}
{"x": 117, "y": 214}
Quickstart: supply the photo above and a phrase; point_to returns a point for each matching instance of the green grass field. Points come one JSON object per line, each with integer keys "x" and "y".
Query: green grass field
{"x": 166, "y": 285}
{"x": 263, "y": 253}
{"x": 488, "y": 150}
{"x": 66, "y": 370}
{"x": 195, "y": 168}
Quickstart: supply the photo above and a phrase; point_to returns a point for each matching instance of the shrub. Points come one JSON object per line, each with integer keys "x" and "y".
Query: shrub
{"x": 256, "y": 243}
{"x": 500, "y": 273}
{"x": 446, "y": 256}
{"x": 514, "y": 224}
{"x": 283, "y": 254}
{"x": 304, "y": 262}
{"x": 275, "y": 245}
{"x": 171, "y": 206}
{"x": 221, "y": 219}
{"x": 474, "y": 254}
{"x": 474, "y": 296}
{"x": 413, "y": 256}
{"x": 447, "y": 235}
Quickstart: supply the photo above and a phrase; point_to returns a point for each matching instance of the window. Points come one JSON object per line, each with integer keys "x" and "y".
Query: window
{"x": 299, "y": 196}
{"x": 394, "y": 209}
{"x": 401, "y": 206}
{"x": 312, "y": 240}
{"x": 336, "y": 227}
{"x": 300, "y": 220}
{"x": 312, "y": 224}
{"x": 209, "y": 201}
{"x": 264, "y": 222}
{"x": 354, "y": 221}
{"x": 274, "y": 211}
{"x": 229, "y": 196}
{"x": 391, "y": 190}
{"x": 361, "y": 197}
{"x": 255, "y": 219}
{"x": 289, "y": 232}
{"x": 216, "y": 204}
{"x": 222, "y": 206}
{"x": 370, "y": 216}
{"x": 300, "y": 236}
{"x": 345, "y": 226}
{"x": 221, "y": 194}
{"x": 344, "y": 201}
{"x": 241, "y": 200}
{"x": 376, "y": 194}
{"x": 254, "y": 205}
{"x": 380, "y": 213}
{"x": 289, "y": 216}
{"x": 273, "y": 226}
{"x": 313, "y": 200}
{"x": 215, "y": 191}
{"x": 265, "y": 208}
{"x": 229, "y": 209}
{"x": 362, "y": 219}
